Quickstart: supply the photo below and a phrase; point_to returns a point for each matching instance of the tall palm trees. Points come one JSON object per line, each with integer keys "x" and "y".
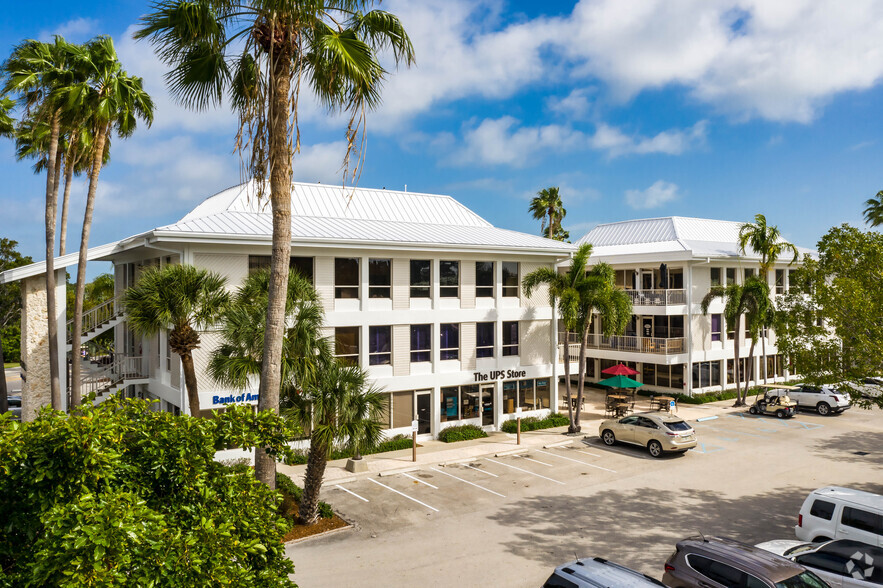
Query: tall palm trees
{"x": 184, "y": 298}
{"x": 115, "y": 101}
{"x": 330, "y": 45}
{"x": 874, "y": 210}
{"x": 547, "y": 207}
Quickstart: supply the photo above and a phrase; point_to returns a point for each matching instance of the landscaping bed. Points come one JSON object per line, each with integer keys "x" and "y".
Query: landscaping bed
{"x": 533, "y": 423}
{"x": 288, "y": 508}
{"x": 461, "y": 433}
{"x": 697, "y": 399}
{"x": 394, "y": 444}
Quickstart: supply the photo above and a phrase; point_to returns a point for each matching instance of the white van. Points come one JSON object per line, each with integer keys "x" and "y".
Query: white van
{"x": 841, "y": 513}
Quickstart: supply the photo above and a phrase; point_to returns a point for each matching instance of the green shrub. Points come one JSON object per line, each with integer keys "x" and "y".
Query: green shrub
{"x": 394, "y": 444}
{"x": 285, "y": 485}
{"x": 461, "y": 433}
{"x": 697, "y": 399}
{"x": 535, "y": 423}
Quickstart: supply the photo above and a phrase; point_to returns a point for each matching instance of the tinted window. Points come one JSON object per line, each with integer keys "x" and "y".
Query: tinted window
{"x": 804, "y": 580}
{"x": 420, "y": 275}
{"x": 484, "y": 279}
{"x": 862, "y": 520}
{"x": 449, "y": 279}
{"x": 556, "y": 581}
{"x": 715, "y": 570}
{"x": 822, "y": 509}
{"x": 823, "y": 561}
{"x": 645, "y": 422}
{"x": 629, "y": 420}
{"x": 677, "y": 426}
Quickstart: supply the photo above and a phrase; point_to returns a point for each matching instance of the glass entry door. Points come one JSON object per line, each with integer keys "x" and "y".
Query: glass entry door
{"x": 487, "y": 405}
{"x": 424, "y": 421}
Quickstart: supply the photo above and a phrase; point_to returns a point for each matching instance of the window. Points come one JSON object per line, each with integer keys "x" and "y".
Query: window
{"x": 556, "y": 581}
{"x": 346, "y": 277}
{"x": 379, "y": 339}
{"x": 715, "y": 276}
{"x": 792, "y": 280}
{"x": 543, "y": 391}
{"x": 450, "y": 405}
{"x": 470, "y": 401}
{"x": 484, "y": 340}
{"x": 780, "y": 281}
{"x": 421, "y": 274}
{"x": 731, "y": 332}
{"x": 862, "y": 520}
{"x": 379, "y": 278}
{"x": 346, "y": 344}
{"x": 510, "y": 338}
{"x": 731, "y": 276}
{"x": 526, "y": 395}
{"x": 450, "y": 341}
{"x": 510, "y": 397}
{"x": 449, "y": 279}
{"x": 749, "y": 273}
{"x": 822, "y": 509}
{"x": 304, "y": 265}
{"x": 484, "y": 279}
{"x": 510, "y": 279}
{"x": 402, "y": 409}
{"x": 421, "y": 345}
{"x": 715, "y": 327}
{"x": 676, "y": 279}
{"x": 706, "y": 373}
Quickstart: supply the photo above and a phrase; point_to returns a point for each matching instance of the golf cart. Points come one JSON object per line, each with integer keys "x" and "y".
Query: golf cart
{"x": 774, "y": 399}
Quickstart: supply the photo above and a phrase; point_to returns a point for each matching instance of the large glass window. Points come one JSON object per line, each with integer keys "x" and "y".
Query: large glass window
{"x": 792, "y": 280}
{"x": 715, "y": 276}
{"x": 484, "y": 279}
{"x": 379, "y": 278}
{"x": 749, "y": 273}
{"x": 706, "y": 373}
{"x": 484, "y": 340}
{"x": 780, "y": 281}
{"x": 470, "y": 401}
{"x": 450, "y": 341}
{"x": 731, "y": 276}
{"x": 449, "y": 279}
{"x": 346, "y": 344}
{"x": 544, "y": 393}
{"x": 526, "y": 395}
{"x": 421, "y": 275}
{"x": 379, "y": 345}
{"x": 421, "y": 343}
{"x": 304, "y": 265}
{"x": 450, "y": 404}
{"x": 346, "y": 277}
{"x": 510, "y": 278}
{"x": 649, "y": 375}
{"x": 402, "y": 409}
{"x": 510, "y": 338}
{"x": 510, "y": 397}
{"x": 715, "y": 327}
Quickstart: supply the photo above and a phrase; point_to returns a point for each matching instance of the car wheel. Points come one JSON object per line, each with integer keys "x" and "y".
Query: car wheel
{"x": 608, "y": 437}
{"x": 655, "y": 448}
{"x": 780, "y": 413}
{"x": 821, "y": 539}
{"x": 753, "y": 410}
{"x": 823, "y": 409}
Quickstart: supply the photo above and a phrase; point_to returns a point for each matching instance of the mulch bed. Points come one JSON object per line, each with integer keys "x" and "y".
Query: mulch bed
{"x": 290, "y": 510}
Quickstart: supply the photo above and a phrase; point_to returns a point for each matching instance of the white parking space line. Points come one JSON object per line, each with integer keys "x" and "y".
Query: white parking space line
{"x": 587, "y": 453}
{"x": 419, "y": 480}
{"x": 351, "y": 492}
{"x": 479, "y": 470}
{"x": 522, "y": 470}
{"x": 468, "y": 482}
{"x": 548, "y": 465}
{"x": 402, "y": 494}
{"x": 577, "y": 461}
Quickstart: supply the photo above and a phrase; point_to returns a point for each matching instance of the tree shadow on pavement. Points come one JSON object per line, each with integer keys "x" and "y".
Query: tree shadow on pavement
{"x": 863, "y": 447}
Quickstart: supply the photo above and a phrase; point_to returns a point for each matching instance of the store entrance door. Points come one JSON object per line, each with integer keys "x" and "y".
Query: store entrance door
{"x": 487, "y": 405}
{"x": 424, "y": 421}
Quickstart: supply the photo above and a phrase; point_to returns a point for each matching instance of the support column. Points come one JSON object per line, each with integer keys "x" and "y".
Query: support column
{"x": 35, "y": 389}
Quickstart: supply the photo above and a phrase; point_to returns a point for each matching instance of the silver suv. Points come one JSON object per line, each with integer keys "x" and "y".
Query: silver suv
{"x": 713, "y": 562}
{"x": 598, "y": 573}
{"x": 822, "y": 399}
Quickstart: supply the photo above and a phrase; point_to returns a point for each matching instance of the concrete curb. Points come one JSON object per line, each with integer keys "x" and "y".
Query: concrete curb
{"x": 398, "y": 471}
{"x": 342, "y": 480}
{"x": 460, "y": 461}
{"x": 558, "y": 444}
{"x": 512, "y": 452}
{"x": 348, "y": 527}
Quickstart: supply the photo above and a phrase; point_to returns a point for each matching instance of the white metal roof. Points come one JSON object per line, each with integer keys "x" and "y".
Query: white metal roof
{"x": 677, "y": 235}
{"x": 35, "y": 269}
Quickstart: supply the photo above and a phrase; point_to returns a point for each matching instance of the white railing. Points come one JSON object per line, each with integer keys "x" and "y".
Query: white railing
{"x": 657, "y": 297}
{"x": 97, "y": 316}
{"x": 654, "y": 345}
{"x": 123, "y": 367}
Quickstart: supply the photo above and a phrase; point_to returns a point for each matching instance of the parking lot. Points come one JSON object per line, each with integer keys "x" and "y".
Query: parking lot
{"x": 515, "y": 516}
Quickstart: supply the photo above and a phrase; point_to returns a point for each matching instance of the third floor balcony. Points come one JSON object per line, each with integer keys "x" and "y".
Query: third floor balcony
{"x": 667, "y": 297}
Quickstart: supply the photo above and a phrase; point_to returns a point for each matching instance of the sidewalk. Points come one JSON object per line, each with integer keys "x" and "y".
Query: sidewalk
{"x": 435, "y": 452}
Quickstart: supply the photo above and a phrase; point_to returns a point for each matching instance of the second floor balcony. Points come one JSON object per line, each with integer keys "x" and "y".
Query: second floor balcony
{"x": 668, "y": 297}
{"x": 626, "y": 343}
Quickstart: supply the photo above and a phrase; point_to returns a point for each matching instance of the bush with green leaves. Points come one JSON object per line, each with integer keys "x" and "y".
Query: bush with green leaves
{"x": 285, "y": 485}
{"x": 461, "y": 433}
{"x": 394, "y": 444}
{"x": 119, "y": 494}
{"x": 533, "y": 423}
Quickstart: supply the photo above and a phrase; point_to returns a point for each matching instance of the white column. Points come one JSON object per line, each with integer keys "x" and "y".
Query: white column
{"x": 61, "y": 321}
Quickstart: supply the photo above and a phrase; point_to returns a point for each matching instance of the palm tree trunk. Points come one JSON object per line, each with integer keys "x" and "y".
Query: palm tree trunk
{"x": 308, "y": 511}
{"x": 190, "y": 382}
{"x": 65, "y": 202}
{"x": 763, "y": 351}
{"x": 740, "y": 401}
{"x": 51, "y": 215}
{"x": 570, "y": 428}
{"x": 582, "y": 378}
{"x": 4, "y": 392}
{"x": 97, "y": 158}
{"x": 750, "y": 366}
{"x": 280, "y": 203}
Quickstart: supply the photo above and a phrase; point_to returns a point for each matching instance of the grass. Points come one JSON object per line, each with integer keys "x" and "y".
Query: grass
{"x": 7, "y": 366}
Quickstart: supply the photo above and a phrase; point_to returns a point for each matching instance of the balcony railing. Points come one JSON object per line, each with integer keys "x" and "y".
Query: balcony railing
{"x": 97, "y": 317}
{"x": 657, "y": 297}
{"x": 654, "y": 345}
{"x": 123, "y": 367}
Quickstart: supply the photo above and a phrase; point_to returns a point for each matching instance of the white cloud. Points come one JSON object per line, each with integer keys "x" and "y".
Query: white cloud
{"x": 656, "y": 195}
{"x": 502, "y": 141}
{"x": 322, "y": 162}
{"x": 671, "y": 142}
{"x": 76, "y": 29}
{"x": 575, "y": 106}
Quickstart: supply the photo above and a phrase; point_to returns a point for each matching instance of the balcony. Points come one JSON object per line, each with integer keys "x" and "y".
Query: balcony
{"x": 657, "y": 297}
{"x": 628, "y": 344}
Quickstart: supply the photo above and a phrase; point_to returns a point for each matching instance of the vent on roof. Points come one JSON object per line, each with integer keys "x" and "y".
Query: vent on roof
{"x": 860, "y": 453}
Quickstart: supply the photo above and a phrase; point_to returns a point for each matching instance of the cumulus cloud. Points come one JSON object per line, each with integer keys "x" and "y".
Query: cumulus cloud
{"x": 502, "y": 141}
{"x": 656, "y": 195}
{"x": 76, "y": 29}
{"x": 670, "y": 142}
{"x": 576, "y": 105}
{"x": 322, "y": 162}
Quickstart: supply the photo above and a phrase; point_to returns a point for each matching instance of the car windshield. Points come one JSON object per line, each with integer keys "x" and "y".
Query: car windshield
{"x": 800, "y": 549}
{"x": 804, "y": 580}
{"x": 677, "y": 426}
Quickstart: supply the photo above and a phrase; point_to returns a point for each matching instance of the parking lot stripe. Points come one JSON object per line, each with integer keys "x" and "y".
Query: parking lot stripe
{"x": 534, "y": 460}
{"x": 350, "y": 492}
{"x": 470, "y": 483}
{"x": 522, "y": 470}
{"x": 480, "y": 470}
{"x": 402, "y": 494}
{"x": 578, "y": 461}
{"x": 421, "y": 481}
{"x": 587, "y": 453}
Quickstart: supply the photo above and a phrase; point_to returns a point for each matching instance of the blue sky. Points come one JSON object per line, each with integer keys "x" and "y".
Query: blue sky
{"x": 710, "y": 108}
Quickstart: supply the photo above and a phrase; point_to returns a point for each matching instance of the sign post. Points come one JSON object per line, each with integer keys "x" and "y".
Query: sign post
{"x": 414, "y": 425}
{"x": 518, "y": 425}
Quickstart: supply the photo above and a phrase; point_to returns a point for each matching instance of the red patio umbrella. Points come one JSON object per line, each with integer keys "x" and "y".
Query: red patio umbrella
{"x": 620, "y": 370}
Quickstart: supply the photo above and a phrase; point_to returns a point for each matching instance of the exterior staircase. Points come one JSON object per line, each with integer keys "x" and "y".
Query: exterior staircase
{"x": 98, "y": 319}
{"x": 124, "y": 370}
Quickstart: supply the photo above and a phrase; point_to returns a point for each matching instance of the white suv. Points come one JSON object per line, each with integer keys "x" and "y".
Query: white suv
{"x": 822, "y": 399}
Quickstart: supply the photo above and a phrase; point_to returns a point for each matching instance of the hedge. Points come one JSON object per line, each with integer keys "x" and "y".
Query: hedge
{"x": 697, "y": 399}
{"x": 534, "y": 423}
{"x": 394, "y": 444}
{"x": 461, "y": 433}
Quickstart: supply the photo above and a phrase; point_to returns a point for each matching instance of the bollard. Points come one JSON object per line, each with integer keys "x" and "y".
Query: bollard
{"x": 414, "y": 446}
{"x": 518, "y": 441}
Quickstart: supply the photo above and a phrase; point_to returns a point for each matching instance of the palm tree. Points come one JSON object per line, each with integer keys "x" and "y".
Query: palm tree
{"x": 37, "y": 73}
{"x": 331, "y": 45}
{"x": 7, "y": 123}
{"x": 548, "y": 208}
{"x": 113, "y": 101}
{"x": 184, "y": 298}
{"x": 874, "y": 210}
{"x": 338, "y": 407}
{"x": 768, "y": 243}
{"x": 758, "y": 315}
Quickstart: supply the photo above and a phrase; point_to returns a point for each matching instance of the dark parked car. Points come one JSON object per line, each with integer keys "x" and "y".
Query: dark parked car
{"x": 714, "y": 562}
